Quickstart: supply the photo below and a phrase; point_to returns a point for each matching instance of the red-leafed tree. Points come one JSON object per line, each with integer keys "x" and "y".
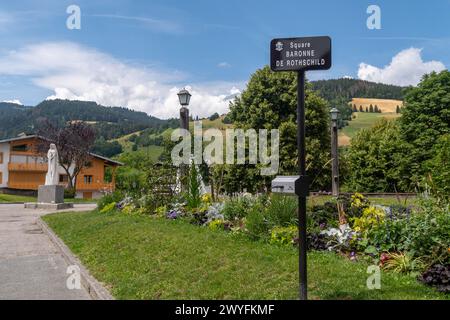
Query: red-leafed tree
{"x": 73, "y": 142}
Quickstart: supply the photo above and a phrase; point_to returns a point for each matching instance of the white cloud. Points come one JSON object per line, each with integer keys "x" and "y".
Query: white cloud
{"x": 406, "y": 68}
{"x": 16, "y": 101}
{"x": 75, "y": 72}
{"x": 224, "y": 64}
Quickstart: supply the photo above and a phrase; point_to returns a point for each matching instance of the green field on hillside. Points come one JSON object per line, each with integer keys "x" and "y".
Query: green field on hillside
{"x": 362, "y": 120}
{"x": 207, "y": 124}
{"x": 125, "y": 142}
{"x": 153, "y": 152}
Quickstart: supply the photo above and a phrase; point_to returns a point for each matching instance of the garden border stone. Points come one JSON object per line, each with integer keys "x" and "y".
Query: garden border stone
{"x": 95, "y": 289}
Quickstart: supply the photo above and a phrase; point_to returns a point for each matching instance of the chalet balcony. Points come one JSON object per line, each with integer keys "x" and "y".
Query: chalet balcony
{"x": 29, "y": 163}
{"x": 34, "y": 167}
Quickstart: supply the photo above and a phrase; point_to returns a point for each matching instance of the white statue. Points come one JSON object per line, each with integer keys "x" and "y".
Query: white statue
{"x": 51, "y": 178}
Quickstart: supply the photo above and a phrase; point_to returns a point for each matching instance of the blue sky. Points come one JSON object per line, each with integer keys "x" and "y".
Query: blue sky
{"x": 138, "y": 53}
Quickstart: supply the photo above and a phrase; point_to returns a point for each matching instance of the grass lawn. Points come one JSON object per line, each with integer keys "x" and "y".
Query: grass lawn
{"x": 9, "y": 198}
{"x": 151, "y": 258}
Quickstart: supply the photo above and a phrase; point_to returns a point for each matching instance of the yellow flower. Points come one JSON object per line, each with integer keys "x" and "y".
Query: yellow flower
{"x": 206, "y": 198}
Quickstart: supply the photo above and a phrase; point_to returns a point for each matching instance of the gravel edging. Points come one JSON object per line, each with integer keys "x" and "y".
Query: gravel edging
{"x": 95, "y": 289}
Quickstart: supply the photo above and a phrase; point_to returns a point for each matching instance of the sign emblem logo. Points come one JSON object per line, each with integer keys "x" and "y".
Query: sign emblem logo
{"x": 279, "y": 46}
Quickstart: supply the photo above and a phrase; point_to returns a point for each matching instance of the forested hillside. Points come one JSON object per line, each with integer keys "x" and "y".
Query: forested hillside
{"x": 339, "y": 92}
{"x": 353, "y": 88}
{"x": 12, "y": 119}
{"x": 109, "y": 122}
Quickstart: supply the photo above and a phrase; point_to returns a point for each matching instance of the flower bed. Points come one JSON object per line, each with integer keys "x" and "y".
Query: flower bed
{"x": 399, "y": 239}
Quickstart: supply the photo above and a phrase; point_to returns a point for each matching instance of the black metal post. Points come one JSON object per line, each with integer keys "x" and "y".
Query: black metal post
{"x": 302, "y": 172}
{"x": 335, "y": 158}
{"x": 184, "y": 124}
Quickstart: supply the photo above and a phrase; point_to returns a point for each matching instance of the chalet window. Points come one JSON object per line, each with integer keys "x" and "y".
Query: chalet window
{"x": 88, "y": 179}
{"x": 63, "y": 178}
{"x": 20, "y": 147}
{"x": 1, "y": 157}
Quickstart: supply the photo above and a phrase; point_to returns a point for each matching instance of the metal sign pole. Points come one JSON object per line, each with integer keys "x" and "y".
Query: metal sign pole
{"x": 299, "y": 54}
{"x": 302, "y": 172}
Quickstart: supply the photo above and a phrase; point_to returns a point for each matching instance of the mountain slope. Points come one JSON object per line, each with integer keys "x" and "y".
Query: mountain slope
{"x": 354, "y": 88}
{"x": 110, "y": 122}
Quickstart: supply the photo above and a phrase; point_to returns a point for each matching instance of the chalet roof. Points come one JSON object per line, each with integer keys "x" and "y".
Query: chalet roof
{"x": 24, "y": 137}
{"x": 21, "y": 137}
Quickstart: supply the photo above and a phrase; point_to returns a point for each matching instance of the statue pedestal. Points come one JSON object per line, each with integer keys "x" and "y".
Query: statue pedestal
{"x": 51, "y": 194}
{"x": 50, "y": 198}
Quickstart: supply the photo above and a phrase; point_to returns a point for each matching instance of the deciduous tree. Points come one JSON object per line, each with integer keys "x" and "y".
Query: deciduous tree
{"x": 270, "y": 102}
{"x": 73, "y": 142}
{"x": 425, "y": 118}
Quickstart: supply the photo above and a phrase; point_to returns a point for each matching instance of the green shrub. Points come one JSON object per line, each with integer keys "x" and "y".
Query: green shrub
{"x": 322, "y": 216}
{"x": 282, "y": 210}
{"x": 256, "y": 223}
{"x": 131, "y": 180}
{"x": 385, "y": 237}
{"x": 193, "y": 197}
{"x": 427, "y": 233}
{"x": 160, "y": 211}
{"x": 150, "y": 202}
{"x": 216, "y": 225}
{"x": 423, "y": 234}
{"x": 237, "y": 208}
{"x": 284, "y": 235}
{"x": 377, "y": 160}
{"x": 108, "y": 208}
{"x": 69, "y": 193}
{"x": 132, "y": 210}
{"x": 370, "y": 218}
{"x": 115, "y": 196}
{"x": 438, "y": 169}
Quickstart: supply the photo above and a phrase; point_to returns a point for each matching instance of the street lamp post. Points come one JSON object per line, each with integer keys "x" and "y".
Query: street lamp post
{"x": 334, "y": 152}
{"x": 184, "y": 97}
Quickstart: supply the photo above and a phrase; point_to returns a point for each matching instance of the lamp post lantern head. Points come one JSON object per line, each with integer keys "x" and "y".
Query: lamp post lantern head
{"x": 334, "y": 114}
{"x": 184, "y": 96}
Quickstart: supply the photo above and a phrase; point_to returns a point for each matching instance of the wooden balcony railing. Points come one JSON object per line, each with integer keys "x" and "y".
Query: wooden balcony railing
{"x": 24, "y": 185}
{"x": 37, "y": 167}
{"x": 95, "y": 186}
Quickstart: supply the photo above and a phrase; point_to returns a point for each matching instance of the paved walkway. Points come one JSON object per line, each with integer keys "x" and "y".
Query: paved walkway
{"x": 31, "y": 267}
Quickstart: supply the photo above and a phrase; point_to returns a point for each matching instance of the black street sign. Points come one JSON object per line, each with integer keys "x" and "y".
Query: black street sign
{"x": 300, "y": 54}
